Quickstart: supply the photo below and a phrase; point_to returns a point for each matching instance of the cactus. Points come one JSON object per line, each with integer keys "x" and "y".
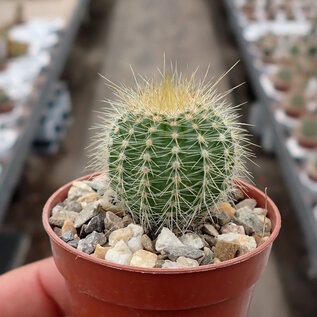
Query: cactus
{"x": 172, "y": 149}
{"x": 3, "y": 97}
{"x": 308, "y": 127}
{"x": 284, "y": 74}
{"x": 297, "y": 100}
{"x": 6, "y": 104}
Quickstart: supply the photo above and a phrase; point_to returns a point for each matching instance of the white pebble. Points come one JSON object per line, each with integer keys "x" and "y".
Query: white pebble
{"x": 136, "y": 229}
{"x": 245, "y": 242}
{"x": 135, "y": 244}
{"x": 144, "y": 258}
{"x": 167, "y": 239}
{"x": 120, "y": 254}
{"x": 192, "y": 240}
{"x": 187, "y": 262}
{"x": 171, "y": 265}
{"x": 124, "y": 234}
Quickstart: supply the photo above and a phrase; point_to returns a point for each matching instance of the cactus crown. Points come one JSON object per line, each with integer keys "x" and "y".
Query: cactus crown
{"x": 172, "y": 149}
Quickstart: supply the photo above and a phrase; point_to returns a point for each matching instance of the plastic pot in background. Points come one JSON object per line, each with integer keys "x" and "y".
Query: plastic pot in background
{"x": 100, "y": 288}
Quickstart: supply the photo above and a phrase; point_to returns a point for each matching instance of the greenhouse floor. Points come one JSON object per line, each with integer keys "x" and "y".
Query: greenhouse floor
{"x": 139, "y": 33}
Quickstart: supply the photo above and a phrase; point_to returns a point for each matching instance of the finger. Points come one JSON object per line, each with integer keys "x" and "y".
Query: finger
{"x": 37, "y": 289}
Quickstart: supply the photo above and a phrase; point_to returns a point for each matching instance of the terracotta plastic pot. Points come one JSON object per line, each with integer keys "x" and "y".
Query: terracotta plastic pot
{"x": 100, "y": 288}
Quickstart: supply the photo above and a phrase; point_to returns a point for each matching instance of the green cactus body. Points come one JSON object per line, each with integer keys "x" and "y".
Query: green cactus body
{"x": 297, "y": 101}
{"x": 284, "y": 74}
{"x": 294, "y": 50}
{"x": 309, "y": 127}
{"x": 3, "y": 97}
{"x": 173, "y": 160}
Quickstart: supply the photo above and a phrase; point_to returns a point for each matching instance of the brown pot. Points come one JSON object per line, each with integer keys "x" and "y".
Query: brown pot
{"x": 306, "y": 142}
{"x": 294, "y": 112}
{"x": 6, "y": 106}
{"x": 280, "y": 84}
{"x": 100, "y": 288}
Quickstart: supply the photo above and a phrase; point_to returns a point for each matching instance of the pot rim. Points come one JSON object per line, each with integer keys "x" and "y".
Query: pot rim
{"x": 79, "y": 254}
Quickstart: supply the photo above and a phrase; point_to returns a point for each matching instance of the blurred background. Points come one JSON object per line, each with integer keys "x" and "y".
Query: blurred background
{"x": 51, "y": 55}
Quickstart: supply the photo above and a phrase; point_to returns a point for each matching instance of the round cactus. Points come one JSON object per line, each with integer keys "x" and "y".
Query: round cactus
{"x": 172, "y": 150}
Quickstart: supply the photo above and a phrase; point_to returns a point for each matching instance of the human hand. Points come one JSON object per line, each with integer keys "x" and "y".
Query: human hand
{"x": 37, "y": 289}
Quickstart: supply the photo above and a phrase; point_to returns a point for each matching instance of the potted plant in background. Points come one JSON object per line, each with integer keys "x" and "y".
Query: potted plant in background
{"x": 295, "y": 103}
{"x": 166, "y": 227}
{"x": 6, "y": 104}
{"x": 283, "y": 78}
{"x": 306, "y": 133}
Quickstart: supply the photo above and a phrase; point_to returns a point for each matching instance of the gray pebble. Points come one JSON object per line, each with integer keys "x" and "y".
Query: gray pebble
{"x": 249, "y": 202}
{"x": 112, "y": 222}
{"x": 59, "y": 207}
{"x": 67, "y": 236}
{"x": 98, "y": 185}
{"x": 86, "y": 214}
{"x": 59, "y": 217}
{"x": 249, "y": 220}
{"x": 88, "y": 244}
{"x": 73, "y": 206}
{"x": 73, "y": 243}
{"x": 96, "y": 223}
{"x": 82, "y": 231}
{"x": 210, "y": 240}
{"x": 174, "y": 252}
{"x": 207, "y": 259}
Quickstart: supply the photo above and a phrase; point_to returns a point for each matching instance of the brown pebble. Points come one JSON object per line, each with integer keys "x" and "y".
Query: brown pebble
{"x": 127, "y": 219}
{"x": 210, "y": 230}
{"x": 226, "y": 250}
{"x": 100, "y": 252}
{"x": 227, "y": 209}
{"x": 259, "y": 239}
{"x": 210, "y": 240}
{"x": 147, "y": 243}
{"x": 88, "y": 198}
{"x": 69, "y": 226}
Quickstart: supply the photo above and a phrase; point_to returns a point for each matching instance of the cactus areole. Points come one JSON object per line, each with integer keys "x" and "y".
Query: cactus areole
{"x": 171, "y": 148}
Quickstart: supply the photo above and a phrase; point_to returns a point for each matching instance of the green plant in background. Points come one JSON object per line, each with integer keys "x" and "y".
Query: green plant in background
{"x": 297, "y": 100}
{"x": 172, "y": 149}
{"x": 295, "y": 49}
{"x": 19, "y": 12}
{"x": 3, "y": 97}
{"x": 284, "y": 74}
{"x": 308, "y": 127}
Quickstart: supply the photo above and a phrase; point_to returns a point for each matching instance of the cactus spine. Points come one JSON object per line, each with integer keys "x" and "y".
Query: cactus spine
{"x": 172, "y": 150}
